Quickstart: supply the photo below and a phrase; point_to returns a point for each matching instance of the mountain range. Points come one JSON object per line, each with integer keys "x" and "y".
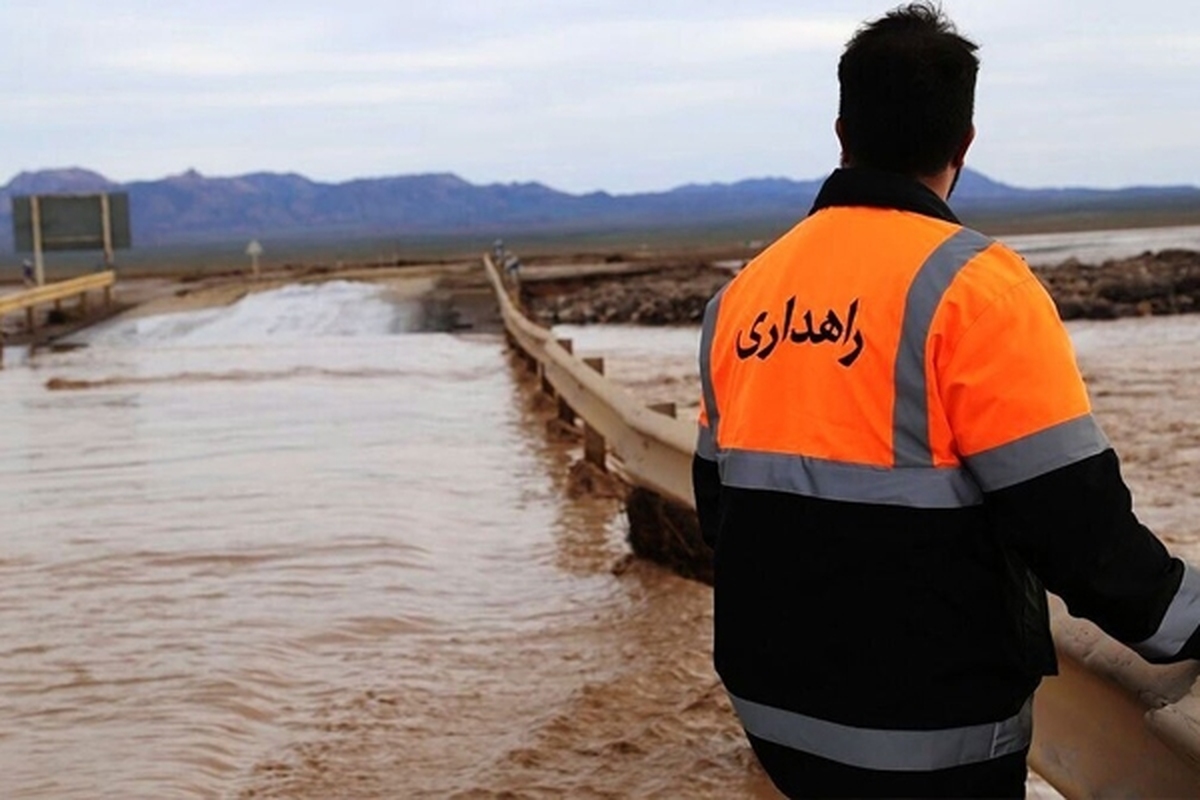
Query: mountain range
{"x": 192, "y": 208}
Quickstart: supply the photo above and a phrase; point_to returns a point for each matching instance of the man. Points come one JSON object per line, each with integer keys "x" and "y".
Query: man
{"x": 896, "y": 453}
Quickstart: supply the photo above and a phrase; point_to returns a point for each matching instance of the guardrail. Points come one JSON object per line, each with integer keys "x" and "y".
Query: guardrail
{"x": 55, "y": 293}
{"x": 654, "y": 450}
{"x": 1109, "y": 725}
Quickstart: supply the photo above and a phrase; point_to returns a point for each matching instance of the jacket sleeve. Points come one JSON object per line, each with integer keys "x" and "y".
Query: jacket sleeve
{"x": 1075, "y": 528}
{"x": 1022, "y": 421}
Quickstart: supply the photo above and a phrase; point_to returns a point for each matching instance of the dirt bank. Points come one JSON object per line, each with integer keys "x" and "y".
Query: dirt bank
{"x": 665, "y": 294}
{"x": 1167, "y": 282}
{"x": 1151, "y": 284}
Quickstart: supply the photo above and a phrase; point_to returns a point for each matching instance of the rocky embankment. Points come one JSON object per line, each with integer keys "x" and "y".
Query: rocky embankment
{"x": 674, "y": 294}
{"x": 1166, "y": 282}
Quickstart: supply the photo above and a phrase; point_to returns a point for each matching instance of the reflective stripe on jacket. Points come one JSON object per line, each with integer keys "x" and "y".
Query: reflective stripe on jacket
{"x": 881, "y": 356}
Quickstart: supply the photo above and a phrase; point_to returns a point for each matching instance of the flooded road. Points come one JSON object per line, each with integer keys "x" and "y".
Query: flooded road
{"x": 287, "y": 549}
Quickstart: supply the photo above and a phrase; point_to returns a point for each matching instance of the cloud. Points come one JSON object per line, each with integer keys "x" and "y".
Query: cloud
{"x": 152, "y": 104}
{"x": 264, "y": 52}
{"x": 616, "y": 94}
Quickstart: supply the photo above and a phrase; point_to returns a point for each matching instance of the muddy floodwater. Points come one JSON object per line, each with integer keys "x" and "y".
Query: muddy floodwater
{"x": 291, "y": 548}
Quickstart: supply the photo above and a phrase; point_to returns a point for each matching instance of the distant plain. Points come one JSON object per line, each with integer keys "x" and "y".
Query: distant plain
{"x": 729, "y": 240}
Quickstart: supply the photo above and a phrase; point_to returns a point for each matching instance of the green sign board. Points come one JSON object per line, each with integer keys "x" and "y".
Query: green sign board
{"x": 71, "y": 222}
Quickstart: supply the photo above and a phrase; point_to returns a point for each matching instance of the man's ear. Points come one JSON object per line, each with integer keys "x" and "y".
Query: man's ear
{"x": 960, "y": 157}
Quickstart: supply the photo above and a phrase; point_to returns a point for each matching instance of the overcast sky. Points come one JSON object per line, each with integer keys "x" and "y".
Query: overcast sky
{"x": 619, "y": 95}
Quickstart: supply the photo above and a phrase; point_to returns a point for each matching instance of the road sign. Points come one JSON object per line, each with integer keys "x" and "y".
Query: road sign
{"x": 254, "y": 250}
{"x": 44, "y": 223}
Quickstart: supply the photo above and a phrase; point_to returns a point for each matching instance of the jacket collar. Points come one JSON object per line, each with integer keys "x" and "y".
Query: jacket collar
{"x": 858, "y": 186}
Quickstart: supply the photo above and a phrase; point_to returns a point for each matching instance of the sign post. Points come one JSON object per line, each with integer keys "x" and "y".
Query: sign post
{"x": 254, "y": 250}
{"x": 39, "y": 262}
{"x": 106, "y": 226}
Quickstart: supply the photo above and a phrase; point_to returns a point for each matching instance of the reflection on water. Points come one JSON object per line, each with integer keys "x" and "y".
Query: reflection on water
{"x": 243, "y": 555}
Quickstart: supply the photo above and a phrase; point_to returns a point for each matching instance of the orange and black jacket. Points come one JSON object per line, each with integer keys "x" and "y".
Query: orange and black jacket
{"x": 896, "y": 454}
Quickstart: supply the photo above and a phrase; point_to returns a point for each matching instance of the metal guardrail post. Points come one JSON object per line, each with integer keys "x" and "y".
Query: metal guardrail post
{"x": 595, "y": 449}
{"x": 565, "y": 412}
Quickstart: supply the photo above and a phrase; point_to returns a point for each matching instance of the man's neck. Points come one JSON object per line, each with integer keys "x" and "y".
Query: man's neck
{"x": 941, "y": 183}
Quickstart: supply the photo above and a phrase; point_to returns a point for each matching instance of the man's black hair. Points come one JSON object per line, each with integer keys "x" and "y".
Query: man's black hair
{"x": 907, "y": 91}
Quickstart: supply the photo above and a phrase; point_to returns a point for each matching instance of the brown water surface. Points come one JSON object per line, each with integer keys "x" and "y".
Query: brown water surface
{"x": 288, "y": 549}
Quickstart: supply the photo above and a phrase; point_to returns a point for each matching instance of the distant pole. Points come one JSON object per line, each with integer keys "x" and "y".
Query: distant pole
{"x": 39, "y": 264}
{"x": 254, "y": 250}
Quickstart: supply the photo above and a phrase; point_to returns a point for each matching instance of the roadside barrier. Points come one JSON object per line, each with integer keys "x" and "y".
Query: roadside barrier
{"x": 1109, "y": 725}
{"x": 30, "y": 299}
{"x": 55, "y": 293}
{"x": 654, "y": 450}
